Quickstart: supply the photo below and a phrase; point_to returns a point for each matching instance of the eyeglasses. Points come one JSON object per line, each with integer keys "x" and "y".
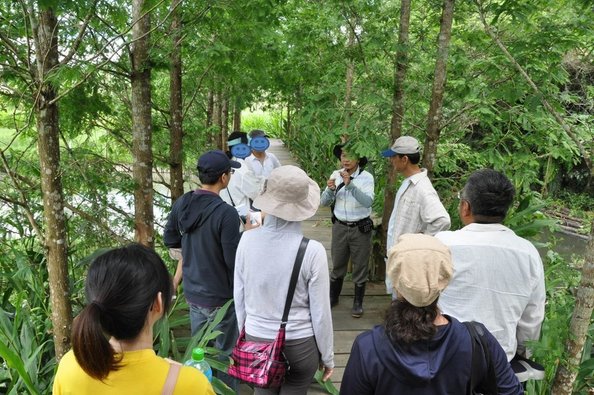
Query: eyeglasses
{"x": 231, "y": 170}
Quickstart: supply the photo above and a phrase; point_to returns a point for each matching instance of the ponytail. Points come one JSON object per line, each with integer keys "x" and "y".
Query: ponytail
{"x": 91, "y": 347}
{"x": 121, "y": 286}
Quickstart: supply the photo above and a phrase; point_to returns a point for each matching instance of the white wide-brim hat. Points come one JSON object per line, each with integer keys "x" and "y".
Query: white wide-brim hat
{"x": 289, "y": 194}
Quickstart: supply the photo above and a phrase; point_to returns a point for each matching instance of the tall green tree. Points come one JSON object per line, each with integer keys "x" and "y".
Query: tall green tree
{"x": 44, "y": 26}
{"x": 439, "y": 79}
{"x": 398, "y": 108}
{"x": 579, "y": 325}
{"x": 142, "y": 123}
{"x": 176, "y": 179}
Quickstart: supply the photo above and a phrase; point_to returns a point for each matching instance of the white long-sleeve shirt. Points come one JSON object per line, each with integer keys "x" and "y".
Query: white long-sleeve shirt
{"x": 498, "y": 280}
{"x": 418, "y": 210}
{"x": 263, "y": 266}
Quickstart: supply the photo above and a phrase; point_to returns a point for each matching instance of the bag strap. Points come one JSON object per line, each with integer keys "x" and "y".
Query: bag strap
{"x": 489, "y": 383}
{"x": 230, "y": 198}
{"x": 171, "y": 379}
{"x": 293, "y": 283}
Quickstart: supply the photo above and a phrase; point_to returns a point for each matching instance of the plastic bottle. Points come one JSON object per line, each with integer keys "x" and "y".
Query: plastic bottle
{"x": 199, "y": 363}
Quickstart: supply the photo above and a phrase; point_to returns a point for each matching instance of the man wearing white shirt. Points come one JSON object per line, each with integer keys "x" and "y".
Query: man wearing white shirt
{"x": 417, "y": 208}
{"x": 498, "y": 276}
{"x": 261, "y": 162}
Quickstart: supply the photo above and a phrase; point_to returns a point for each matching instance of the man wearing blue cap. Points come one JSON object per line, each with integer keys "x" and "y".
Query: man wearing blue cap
{"x": 417, "y": 208}
{"x": 207, "y": 230}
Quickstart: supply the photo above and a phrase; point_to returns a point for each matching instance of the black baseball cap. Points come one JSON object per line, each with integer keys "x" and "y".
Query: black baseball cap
{"x": 216, "y": 162}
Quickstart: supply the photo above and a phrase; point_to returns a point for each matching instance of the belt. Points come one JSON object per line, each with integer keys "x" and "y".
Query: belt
{"x": 348, "y": 223}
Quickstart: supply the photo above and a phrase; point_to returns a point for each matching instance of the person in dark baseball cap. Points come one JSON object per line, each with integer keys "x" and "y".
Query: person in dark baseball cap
{"x": 216, "y": 163}
{"x": 207, "y": 231}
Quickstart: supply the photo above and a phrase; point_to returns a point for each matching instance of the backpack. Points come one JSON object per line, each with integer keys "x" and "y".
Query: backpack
{"x": 480, "y": 350}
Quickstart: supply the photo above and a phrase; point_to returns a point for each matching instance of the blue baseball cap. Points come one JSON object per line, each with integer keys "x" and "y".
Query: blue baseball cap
{"x": 216, "y": 162}
{"x": 402, "y": 146}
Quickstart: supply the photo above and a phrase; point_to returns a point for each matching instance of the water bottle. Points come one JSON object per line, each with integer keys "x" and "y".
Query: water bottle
{"x": 199, "y": 363}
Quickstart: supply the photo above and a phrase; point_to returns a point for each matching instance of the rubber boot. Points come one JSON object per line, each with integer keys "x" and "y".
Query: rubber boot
{"x": 335, "y": 288}
{"x": 357, "y": 310}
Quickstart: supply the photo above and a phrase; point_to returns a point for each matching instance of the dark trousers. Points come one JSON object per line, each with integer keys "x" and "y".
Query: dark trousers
{"x": 348, "y": 242}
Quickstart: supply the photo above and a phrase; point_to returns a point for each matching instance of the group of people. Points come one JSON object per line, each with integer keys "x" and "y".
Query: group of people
{"x": 439, "y": 279}
{"x": 483, "y": 272}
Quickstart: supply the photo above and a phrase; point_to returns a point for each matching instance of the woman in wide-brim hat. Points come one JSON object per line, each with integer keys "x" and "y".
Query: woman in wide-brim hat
{"x": 263, "y": 266}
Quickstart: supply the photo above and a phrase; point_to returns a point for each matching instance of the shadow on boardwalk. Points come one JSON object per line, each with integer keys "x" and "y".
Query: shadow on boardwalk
{"x": 376, "y": 301}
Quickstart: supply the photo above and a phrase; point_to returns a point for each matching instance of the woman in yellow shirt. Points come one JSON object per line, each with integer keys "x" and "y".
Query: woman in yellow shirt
{"x": 128, "y": 289}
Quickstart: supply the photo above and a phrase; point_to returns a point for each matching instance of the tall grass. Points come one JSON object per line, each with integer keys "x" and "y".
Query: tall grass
{"x": 268, "y": 121}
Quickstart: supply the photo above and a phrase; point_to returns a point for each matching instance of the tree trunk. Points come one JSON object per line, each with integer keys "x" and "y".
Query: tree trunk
{"x": 215, "y": 136}
{"x": 224, "y": 121}
{"x": 209, "y": 108}
{"x": 578, "y": 328}
{"x": 439, "y": 79}
{"x": 142, "y": 126}
{"x": 396, "y": 124}
{"x": 350, "y": 72}
{"x": 46, "y": 41}
{"x": 176, "y": 176}
{"x": 237, "y": 116}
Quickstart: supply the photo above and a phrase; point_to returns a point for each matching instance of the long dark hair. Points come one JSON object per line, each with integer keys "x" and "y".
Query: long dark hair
{"x": 121, "y": 287}
{"x": 406, "y": 323}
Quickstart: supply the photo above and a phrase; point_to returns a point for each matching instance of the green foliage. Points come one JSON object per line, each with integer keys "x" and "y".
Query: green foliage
{"x": 527, "y": 219}
{"x": 561, "y": 281}
{"x": 269, "y": 121}
{"x": 26, "y": 347}
{"x": 326, "y": 385}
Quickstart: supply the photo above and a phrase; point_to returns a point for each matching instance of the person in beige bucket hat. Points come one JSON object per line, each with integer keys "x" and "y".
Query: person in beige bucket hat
{"x": 418, "y": 350}
{"x": 263, "y": 265}
{"x": 420, "y": 267}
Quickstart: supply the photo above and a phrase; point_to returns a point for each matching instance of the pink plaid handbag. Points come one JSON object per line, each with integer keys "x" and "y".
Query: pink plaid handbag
{"x": 263, "y": 364}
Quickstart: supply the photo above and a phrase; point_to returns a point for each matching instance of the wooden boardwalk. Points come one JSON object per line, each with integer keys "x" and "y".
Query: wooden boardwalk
{"x": 376, "y": 301}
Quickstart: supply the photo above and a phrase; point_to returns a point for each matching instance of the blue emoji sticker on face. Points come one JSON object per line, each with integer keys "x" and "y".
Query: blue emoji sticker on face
{"x": 260, "y": 143}
{"x": 241, "y": 151}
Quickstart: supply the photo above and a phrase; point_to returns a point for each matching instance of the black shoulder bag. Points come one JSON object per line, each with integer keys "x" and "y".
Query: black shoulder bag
{"x": 480, "y": 350}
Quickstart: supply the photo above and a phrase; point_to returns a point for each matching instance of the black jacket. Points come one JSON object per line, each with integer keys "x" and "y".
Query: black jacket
{"x": 207, "y": 230}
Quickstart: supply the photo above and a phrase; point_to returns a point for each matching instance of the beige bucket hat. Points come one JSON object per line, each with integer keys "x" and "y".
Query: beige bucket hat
{"x": 289, "y": 194}
{"x": 420, "y": 267}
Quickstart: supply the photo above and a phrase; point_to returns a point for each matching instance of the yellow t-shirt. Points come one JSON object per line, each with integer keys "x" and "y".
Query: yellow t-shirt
{"x": 142, "y": 372}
